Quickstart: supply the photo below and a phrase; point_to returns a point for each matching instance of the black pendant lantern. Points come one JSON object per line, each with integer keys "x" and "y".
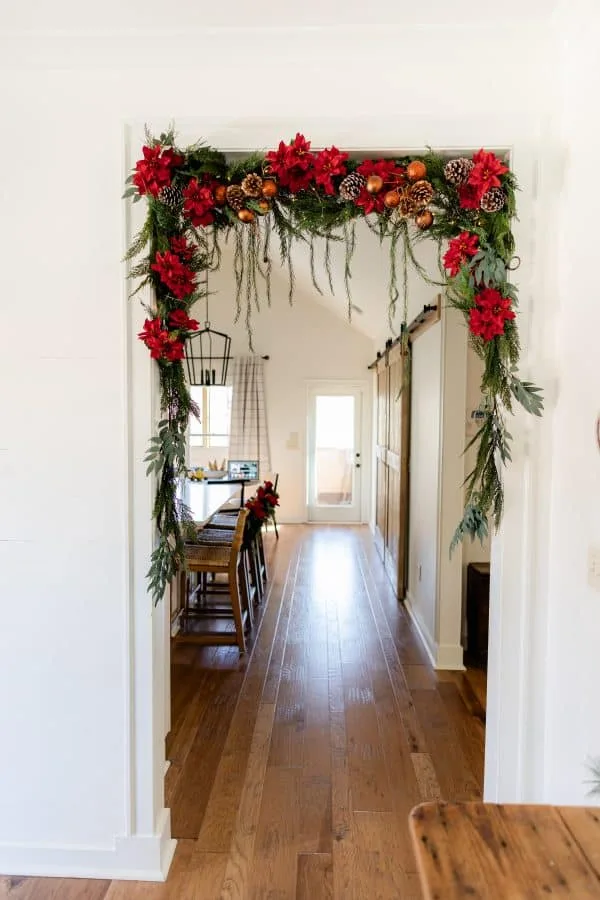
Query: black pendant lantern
{"x": 208, "y": 353}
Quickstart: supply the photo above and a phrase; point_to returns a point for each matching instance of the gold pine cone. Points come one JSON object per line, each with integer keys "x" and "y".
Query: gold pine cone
{"x": 252, "y": 185}
{"x": 421, "y": 193}
{"x": 235, "y": 197}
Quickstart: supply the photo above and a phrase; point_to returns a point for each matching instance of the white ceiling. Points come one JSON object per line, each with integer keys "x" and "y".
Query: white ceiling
{"x": 68, "y": 16}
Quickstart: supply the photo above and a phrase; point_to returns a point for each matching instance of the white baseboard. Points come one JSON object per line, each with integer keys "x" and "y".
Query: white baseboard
{"x": 134, "y": 858}
{"x": 441, "y": 656}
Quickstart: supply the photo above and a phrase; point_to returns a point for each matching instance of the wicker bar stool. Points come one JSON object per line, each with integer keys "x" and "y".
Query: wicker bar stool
{"x": 209, "y": 535}
{"x": 217, "y": 557}
{"x": 253, "y": 547}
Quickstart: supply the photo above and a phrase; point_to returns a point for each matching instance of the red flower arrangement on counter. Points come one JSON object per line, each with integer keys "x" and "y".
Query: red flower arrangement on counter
{"x": 261, "y": 508}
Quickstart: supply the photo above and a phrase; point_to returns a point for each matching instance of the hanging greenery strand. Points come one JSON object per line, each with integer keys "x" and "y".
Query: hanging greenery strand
{"x": 194, "y": 196}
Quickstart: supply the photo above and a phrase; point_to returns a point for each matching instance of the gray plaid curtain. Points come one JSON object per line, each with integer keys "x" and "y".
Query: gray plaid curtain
{"x": 248, "y": 436}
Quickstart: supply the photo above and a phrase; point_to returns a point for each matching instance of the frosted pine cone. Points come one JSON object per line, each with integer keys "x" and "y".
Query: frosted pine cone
{"x": 171, "y": 196}
{"x": 458, "y": 170}
{"x": 493, "y": 200}
{"x": 352, "y": 185}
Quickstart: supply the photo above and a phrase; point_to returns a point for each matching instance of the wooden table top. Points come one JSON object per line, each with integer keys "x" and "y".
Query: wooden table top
{"x": 506, "y": 852}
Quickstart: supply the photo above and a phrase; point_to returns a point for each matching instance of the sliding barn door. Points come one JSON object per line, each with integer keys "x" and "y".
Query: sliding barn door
{"x": 381, "y": 508}
{"x": 393, "y": 444}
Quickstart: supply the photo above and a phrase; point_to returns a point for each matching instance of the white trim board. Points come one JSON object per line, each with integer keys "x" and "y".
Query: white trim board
{"x": 135, "y": 858}
{"x": 443, "y": 657}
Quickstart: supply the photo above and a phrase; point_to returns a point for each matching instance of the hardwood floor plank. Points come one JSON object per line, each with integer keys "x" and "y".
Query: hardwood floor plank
{"x": 198, "y": 771}
{"x": 238, "y": 869}
{"x": 314, "y": 808}
{"x": 315, "y": 877}
{"x": 52, "y": 889}
{"x": 273, "y": 871}
{"x": 584, "y": 825}
{"x": 468, "y": 728}
{"x": 427, "y": 782}
{"x": 453, "y": 773}
{"x": 420, "y": 676}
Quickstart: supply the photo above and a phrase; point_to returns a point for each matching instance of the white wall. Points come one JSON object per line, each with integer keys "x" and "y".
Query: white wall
{"x": 436, "y": 495}
{"x": 572, "y": 673}
{"x": 83, "y": 764}
{"x": 425, "y": 475}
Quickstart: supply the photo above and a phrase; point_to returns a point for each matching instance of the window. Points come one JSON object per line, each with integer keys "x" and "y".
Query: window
{"x": 214, "y": 404}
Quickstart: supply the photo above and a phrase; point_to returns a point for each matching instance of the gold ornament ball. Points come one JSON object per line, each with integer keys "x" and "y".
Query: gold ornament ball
{"x": 374, "y": 184}
{"x": 221, "y": 194}
{"x": 424, "y": 220}
{"x": 416, "y": 170}
{"x": 269, "y": 188}
{"x": 392, "y": 199}
{"x": 263, "y": 206}
{"x": 246, "y": 216}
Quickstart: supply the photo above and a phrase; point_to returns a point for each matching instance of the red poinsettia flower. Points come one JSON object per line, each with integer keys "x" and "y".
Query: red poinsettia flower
{"x": 198, "y": 203}
{"x": 486, "y": 169}
{"x": 174, "y": 274}
{"x": 460, "y": 249}
{"x": 292, "y": 164}
{"x": 385, "y": 168}
{"x": 469, "y": 196}
{"x": 155, "y": 170}
{"x": 173, "y": 349}
{"x": 182, "y": 247}
{"x": 488, "y": 317}
{"x": 179, "y": 320}
{"x": 389, "y": 172}
{"x": 328, "y": 164}
{"x": 161, "y": 343}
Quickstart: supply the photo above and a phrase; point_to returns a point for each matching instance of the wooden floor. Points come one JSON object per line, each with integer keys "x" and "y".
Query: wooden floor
{"x": 293, "y": 770}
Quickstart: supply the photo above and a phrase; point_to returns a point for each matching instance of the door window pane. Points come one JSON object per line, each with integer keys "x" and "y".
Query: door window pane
{"x": 334, "y": 450}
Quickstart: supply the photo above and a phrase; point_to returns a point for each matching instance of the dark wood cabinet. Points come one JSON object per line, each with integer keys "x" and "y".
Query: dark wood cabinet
{"x": 478, "y": 612}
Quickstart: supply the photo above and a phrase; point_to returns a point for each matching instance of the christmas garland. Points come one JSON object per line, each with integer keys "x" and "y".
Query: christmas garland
{"x": 196, "y": 198}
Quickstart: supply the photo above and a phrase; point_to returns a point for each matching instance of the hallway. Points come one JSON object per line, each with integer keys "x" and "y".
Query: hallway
{"x": 293, "y": 770}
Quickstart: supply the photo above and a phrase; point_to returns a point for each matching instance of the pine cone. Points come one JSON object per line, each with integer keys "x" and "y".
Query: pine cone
{"x": 407, "y": 207}
{"x": 493, "y": 200}
{"x": 171, "y": 196}
{"x": 352, "y": 185}
{"x": 252, "y": 185}
{"x": 235, "y": 197}
{"x": 421, "y": 194}
{"x": 458, "y": 170}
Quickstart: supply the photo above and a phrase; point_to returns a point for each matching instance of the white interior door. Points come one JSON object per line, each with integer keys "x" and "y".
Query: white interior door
{"x": 334, "y": 453}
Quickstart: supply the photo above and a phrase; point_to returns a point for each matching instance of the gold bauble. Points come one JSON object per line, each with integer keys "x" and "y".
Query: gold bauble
{"x": 221, "y": 194}
{"x": 392, "y": 199}
{"x": 263, "y": 206}
{"x": 246, "y": 216}
{"x": 416, "y": 170}
{"x": 269, "y": 188}
{"x": 374, "y": 184}
{"x": 424, "y": 220}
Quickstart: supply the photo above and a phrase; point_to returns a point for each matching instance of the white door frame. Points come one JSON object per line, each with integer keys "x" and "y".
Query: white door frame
{"x": 340, "y": 385}
{"x": 509, "y": 744}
